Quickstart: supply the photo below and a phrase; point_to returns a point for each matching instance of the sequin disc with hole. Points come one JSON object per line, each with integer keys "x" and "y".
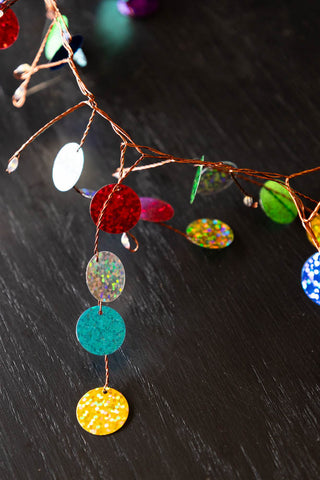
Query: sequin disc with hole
{"x": 105, "y": 277}
{"x": 155, "y": 210}
{"x": 121, "y": 213}
{"x": 214, "y": 181}
{"x": 101, "y": 333}
{"x": 277, "y": 203}
{"x": 209, "y": 233}
{"x": 67, "y": 167}
{"x": 9, "y": 29}
{"x": 102, "y": 413}
{"x": 310, "y": 277}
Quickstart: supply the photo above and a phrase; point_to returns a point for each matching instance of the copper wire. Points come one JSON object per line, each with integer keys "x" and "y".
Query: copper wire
{"x": 162, "y": 158}
{"x": 106, "y": 385}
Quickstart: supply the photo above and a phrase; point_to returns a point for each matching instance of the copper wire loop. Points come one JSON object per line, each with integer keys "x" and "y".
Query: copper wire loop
{"x": 306, "y": 214}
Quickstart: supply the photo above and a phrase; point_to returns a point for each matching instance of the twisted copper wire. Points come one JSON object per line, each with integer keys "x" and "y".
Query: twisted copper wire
{"x": 162, "y": 158}
{"x": 106, "y": 385}
{"x": 247, "y": 174}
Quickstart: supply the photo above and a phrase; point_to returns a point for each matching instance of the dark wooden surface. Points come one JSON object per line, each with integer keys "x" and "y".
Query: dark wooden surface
{"x": 221, "y": 360}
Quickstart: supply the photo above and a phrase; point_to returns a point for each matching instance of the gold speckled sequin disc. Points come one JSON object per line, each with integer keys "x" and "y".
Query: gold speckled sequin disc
{"x": 209, "y": 233}
{"x": 315, "y": 225}
{"x": 102, "y": 413}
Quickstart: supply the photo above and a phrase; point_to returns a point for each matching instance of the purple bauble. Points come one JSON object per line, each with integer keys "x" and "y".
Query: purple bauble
{"x": 137, "y": 8}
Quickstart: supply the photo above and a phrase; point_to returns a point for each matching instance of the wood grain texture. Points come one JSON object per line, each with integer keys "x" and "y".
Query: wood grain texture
{"x": 221, "y": 360}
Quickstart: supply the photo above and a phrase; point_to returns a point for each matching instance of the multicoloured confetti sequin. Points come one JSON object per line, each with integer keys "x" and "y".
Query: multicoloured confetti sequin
{"x": 277, "y": 203}
{"x": 209, "y": 233}
{"x": 105, "y": 276}
{"x": 102, "y": 413}
{"x": 122, "y": 212}
{"x": 196, "y": 181}
{"x": 214, "y": 181}
{"x": 310, "y": 278}
{"x": 101, "y": 333}
{"x": 155, "y": 210}
{"x": 315, "y": 225}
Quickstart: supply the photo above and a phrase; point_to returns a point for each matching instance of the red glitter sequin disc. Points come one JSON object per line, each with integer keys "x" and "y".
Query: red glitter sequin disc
{"x": 122, "y": 212}
{"x": 154, "y": 210}
{"x": 9, "y": 29}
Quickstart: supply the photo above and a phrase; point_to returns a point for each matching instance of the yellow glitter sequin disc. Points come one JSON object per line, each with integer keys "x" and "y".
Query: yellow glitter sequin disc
{"x": 315, "y": 225}
{"x": 102, "y": 413}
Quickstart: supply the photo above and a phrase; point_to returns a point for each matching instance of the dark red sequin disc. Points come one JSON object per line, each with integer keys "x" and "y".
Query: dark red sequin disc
{"x": 9, "y": 29}
{"x": 122, "y": 212}
{"x": 154, "y": 210}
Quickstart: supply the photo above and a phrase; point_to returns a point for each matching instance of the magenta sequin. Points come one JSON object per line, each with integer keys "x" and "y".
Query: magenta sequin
{"x": 154, "y": 210}
{"x": 137, "y": 8}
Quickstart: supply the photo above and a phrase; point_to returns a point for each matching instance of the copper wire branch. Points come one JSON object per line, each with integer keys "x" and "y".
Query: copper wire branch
{"x": 145, "y": 152}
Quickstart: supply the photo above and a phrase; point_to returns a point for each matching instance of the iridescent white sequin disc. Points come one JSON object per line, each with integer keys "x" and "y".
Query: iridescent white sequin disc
{"x": 67, "y": 167}
{"x": 105, "y": 277}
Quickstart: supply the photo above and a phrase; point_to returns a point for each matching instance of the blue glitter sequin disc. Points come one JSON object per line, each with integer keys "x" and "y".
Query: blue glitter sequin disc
{"x": 101, "y": 334}
{"x": 310, "y": 278}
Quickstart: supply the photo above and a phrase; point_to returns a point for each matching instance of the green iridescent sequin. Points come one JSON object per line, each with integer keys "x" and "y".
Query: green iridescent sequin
{"x": 54, "y": 41}
{"x": 277, "y": 203}
{"x": 209, "y": 233}
{"x": 196, "y": 181}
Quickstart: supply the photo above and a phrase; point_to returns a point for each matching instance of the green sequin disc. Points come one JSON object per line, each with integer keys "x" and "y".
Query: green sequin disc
{"x": 196, "y": 181}
{"x": 277, "y": 203}
{"x": 54, "y": 40}
{"x": 209, "y": 233}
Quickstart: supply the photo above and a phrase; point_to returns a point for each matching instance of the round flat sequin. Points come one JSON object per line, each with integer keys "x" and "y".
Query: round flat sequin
{"x": 214, "y": 181}
{"x": 209, "y": 233}
{"x": 277, "y": 203}
{"x": 102, "y": 413}
{"x": 310, "y": 278}
{"x": 315, "y": 225}
{"x": 154, "y": 210}
{"x": 105, "y": 277}
{"x": 122, "y": 212}
{"x": 9, "y": 29}
{"x": 101, "y": 333}
{"x": 196, "y": 181}
{"x": 67, "y": 167}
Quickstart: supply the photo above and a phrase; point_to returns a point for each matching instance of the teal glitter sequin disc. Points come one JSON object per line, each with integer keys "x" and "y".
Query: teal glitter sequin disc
{"x": 209, "y": 233}
{"x": 101, "y": 334}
